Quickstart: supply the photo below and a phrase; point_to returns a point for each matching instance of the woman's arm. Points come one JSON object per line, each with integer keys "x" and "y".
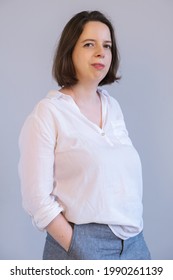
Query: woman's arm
{"x": 37, "y": 144}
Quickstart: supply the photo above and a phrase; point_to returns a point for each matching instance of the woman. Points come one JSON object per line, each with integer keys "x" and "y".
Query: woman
{"x": 80, "y": 174}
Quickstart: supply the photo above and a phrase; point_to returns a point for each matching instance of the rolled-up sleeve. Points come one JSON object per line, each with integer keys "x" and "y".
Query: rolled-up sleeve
{"x": 37, "y": 143}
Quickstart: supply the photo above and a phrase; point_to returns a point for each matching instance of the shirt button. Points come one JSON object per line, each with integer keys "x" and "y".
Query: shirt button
{"x": 102, "y": 133}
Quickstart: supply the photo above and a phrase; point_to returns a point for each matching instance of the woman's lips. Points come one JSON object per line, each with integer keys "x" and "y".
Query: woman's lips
{"x": 98, "y": 66}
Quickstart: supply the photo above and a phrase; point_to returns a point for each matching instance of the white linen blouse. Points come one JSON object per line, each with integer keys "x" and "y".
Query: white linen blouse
{"x": 68, "y": 164}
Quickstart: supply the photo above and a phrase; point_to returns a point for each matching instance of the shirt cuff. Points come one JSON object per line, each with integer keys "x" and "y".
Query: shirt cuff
{"x": 43, "y": 217}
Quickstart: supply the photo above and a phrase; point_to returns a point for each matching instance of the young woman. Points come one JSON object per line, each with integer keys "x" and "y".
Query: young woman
{"x": 80, "y": 174}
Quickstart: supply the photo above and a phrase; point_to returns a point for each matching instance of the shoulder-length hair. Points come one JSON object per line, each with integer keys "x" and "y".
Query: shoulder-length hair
{"x": 63, "y": 69}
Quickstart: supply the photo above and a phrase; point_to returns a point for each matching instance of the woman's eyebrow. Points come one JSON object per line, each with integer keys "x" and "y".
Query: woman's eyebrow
{"x": 93, "y": 40}
{"x": 88, "y": 40}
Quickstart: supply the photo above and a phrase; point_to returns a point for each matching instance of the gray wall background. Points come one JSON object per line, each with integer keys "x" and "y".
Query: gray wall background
{"x": 29, "y": 31}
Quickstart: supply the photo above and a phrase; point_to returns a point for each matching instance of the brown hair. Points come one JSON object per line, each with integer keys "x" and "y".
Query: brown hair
{"x": 63, "y": 69}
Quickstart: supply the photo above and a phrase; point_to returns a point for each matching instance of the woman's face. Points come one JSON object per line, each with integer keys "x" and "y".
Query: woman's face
{"x": 92, "y": 54}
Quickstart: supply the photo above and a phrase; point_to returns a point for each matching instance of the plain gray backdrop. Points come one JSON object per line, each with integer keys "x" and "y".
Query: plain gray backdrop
{"x": 29, "y": 32}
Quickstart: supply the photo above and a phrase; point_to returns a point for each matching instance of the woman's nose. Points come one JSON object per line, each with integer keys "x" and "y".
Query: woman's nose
{"x": 100, "y": 51}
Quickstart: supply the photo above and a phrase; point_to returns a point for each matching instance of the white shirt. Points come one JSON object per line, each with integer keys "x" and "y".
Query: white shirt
{"x": 70, "y": 164}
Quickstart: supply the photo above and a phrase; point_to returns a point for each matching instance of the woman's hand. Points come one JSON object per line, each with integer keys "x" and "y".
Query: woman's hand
{"x": 61, "y": 230}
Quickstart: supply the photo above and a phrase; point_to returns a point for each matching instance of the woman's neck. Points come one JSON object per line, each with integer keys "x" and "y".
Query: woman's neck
{"x": 88, "y": 101}
{"x": 82, "y": 94}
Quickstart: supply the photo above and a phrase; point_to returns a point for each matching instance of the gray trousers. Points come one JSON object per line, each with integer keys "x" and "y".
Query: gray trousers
{"x": 97, "y": 242}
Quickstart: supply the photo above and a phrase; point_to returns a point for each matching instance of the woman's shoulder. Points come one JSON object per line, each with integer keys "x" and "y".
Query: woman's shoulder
{"x": 44, "y": 110}
{"x": 47, "y": 103}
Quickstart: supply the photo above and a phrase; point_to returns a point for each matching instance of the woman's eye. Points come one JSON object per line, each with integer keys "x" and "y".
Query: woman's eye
{"x": 88, "y": 45}
{"x": 107, "y": 46}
